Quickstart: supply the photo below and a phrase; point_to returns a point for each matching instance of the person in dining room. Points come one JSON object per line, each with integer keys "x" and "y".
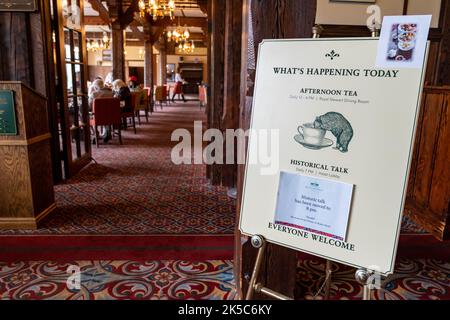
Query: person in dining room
{"x": 121, "y": 91}
{"x": 98, "y": 90}
{"x": 134, "y": 85}
{"x": 178, "y": 89}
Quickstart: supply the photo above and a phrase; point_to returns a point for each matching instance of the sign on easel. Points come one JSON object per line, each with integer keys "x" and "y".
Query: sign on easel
{"x": 346, "y": 130}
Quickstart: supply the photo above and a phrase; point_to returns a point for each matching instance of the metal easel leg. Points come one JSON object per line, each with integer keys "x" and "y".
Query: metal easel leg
{"x": 328, "y": 272}
{"x": 259, "y": 243}
{"x": 364, "y": 277}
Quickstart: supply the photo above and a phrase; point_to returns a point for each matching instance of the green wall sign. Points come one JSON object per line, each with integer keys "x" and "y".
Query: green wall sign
{"x": 8, "y": 125}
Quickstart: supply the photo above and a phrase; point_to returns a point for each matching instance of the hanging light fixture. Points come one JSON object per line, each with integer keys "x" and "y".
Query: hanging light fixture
{"x": 178, "y": 35}
{"x": 157, "y": 8}
{"x": 187, "y": 47}
{"x": 106, "y": 40}
{"x": 94, "y": 45}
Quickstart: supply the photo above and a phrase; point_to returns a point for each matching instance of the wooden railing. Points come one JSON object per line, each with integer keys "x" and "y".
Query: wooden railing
{"x": 428, "y": 198}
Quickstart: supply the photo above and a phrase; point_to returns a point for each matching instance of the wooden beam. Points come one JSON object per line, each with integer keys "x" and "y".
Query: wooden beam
{"x": 269, "y": 19}
{"x": 98, "y": 6}
{"x": 190, "y": 22}
{"x": 232, "y": 75}
{"x": 127, "y": 17}
{"x": 118, "y": 56}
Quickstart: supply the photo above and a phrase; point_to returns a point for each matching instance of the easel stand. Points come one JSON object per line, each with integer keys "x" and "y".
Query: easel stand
{"x": 260, "y": 243}
{"x": 363, "y": 276}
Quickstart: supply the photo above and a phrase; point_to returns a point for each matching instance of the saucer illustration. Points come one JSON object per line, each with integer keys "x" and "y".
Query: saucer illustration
{"x": 325, "y": 143}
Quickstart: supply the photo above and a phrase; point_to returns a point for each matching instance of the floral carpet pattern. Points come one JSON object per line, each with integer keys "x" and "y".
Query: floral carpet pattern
{"x": 136, "y": 189}
{"x": 416, "y": 279}
{"x": 117, "y": 280}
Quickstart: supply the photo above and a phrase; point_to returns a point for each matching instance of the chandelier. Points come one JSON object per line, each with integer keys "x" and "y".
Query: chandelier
{"x": 157, "y": 8}
{"x": 178, "y": 35}
{"x": 187, "y": 47}
{"x": 94, "y": 45}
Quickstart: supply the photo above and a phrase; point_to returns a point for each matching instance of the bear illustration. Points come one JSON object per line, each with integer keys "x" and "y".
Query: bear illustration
{"x": 339, "y": 127}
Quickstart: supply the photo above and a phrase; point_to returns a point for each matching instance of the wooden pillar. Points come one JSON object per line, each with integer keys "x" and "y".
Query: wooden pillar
{"x": 267, "y": 19}
{"x": 162, "y": 63}
{"x": 148, "y": 63}
{"x": 216, "y": 78}
{"x": 232, "y": 81}
{"x": 118, "y": 56}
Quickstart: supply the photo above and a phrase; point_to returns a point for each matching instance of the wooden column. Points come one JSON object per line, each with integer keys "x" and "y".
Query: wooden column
{"x": 118, "y": 56}
{"x": 216, "y": 77}
{"x": 162, "y": 62}
{"x": 267, "y": 19}
{"x": 148, "y": 63}
{"x": 232, "y": 81}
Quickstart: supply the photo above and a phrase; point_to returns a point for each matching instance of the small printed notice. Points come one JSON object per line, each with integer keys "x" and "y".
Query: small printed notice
{"x": 315, "y": 205}
{"x": 403, "y": 41}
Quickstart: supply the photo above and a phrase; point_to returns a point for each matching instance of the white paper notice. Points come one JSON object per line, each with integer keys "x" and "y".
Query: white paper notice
{"x": 403, "y": 41}
{"x": 315, "y": 205}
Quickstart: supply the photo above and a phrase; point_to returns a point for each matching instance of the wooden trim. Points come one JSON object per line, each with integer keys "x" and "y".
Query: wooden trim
{"x": 21, "y": 83}
{"x": 424, "y": 216}
{"x": 45, "y": 213}
{"x": 25, "y": 223}
{"x": 18, "y": 223}
{"x": 437, "y": 89}
{"x": 28, "y": 142}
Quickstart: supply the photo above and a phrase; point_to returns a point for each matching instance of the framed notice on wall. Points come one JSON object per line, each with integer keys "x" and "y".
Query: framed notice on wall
{"x": 18, "y": 5}
{"x": 8, "y": 126}
{"x": 344, "y": 130}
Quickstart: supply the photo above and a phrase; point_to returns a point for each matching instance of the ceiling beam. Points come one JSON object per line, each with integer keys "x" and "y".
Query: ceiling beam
{"x": 98, "y": 6}
{"x": 189, "y": 22}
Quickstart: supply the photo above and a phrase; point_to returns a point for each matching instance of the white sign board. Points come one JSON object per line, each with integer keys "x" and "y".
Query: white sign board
{"x": 345, "y": 132}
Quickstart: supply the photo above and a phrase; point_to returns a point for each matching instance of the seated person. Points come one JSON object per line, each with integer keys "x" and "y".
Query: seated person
{"x": 122, "y": 92}
{"x": 98, "y": 90}
{"x": 133, "y": 84}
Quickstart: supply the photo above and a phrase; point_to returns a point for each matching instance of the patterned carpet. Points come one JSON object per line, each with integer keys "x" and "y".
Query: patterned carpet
{"x": 414, "y": 279}
{"x": 420, "y": 279}
{"x": 118, "y": 280}
{"x": 136, "y": 189}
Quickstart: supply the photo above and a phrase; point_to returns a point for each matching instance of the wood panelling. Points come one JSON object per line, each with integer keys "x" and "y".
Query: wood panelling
{"x": 15, "y": 57}
{"x": 26, "y": 180}
{"x": 428, "y": 198}
{"x": 443, "y": 74}
{"x": 15, "y": 187}
{"x": 40, "y": 170}
{"x": 27, "y": 55}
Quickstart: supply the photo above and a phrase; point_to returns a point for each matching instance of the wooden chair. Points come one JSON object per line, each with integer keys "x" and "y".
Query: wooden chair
{"x": 130, "y": 114}
{"x": 150, "y": 99}
{"x": 142, "y": 105}
{"x": 106, "y": 112}
{"x": 161, "y": 95}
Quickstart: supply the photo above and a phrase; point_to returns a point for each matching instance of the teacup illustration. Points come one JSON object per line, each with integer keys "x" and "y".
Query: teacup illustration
{"x": 312, "y": 135}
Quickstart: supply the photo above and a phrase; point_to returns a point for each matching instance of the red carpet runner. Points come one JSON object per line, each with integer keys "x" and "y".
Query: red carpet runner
{"x": 134, "y": 204}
